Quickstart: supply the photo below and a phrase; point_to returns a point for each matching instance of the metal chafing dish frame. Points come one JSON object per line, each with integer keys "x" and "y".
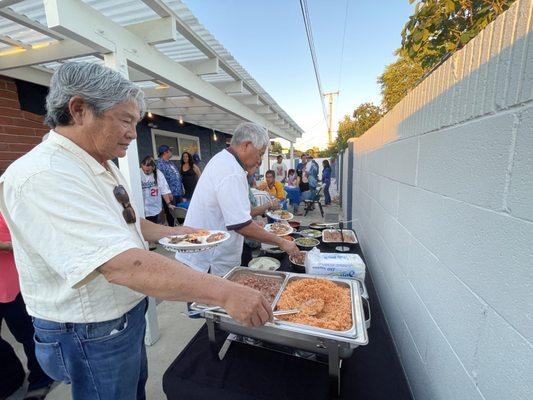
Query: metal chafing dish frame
{"x": 336, "y": 345}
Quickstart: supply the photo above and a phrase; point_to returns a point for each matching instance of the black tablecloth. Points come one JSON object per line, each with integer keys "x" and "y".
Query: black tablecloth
{"x": 248, "y": 372}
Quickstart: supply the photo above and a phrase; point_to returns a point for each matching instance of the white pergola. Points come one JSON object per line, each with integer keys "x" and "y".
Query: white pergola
{"x": 184, "y": 71}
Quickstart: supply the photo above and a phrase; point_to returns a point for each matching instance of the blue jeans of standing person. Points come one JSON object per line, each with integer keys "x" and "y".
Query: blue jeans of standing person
{"x": 101, "y": 360}
{"x": 327, "y": 197}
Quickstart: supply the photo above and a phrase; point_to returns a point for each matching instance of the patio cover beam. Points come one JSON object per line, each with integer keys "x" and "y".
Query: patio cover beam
{"x": 29, "y": 23}
{"x": 159, "y": 7}
{"x": 57, "y": 51}
{"x": 98, "y": 31}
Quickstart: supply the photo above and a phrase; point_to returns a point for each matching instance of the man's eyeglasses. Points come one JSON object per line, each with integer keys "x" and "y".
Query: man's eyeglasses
{"x": 122, "y": 197}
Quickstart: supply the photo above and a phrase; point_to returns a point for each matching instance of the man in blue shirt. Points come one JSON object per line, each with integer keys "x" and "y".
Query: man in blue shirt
{"x": 171, "y": 172}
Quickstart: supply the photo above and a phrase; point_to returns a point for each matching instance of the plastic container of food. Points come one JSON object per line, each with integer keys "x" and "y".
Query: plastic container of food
{"x": 335, "y": 264}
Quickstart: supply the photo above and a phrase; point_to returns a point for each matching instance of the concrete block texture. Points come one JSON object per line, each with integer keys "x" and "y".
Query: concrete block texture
{"x": 401, "y": 160}
{"x": 445, "y": 206}
{"x": 505, "y": 361}
{"x": 509, "y": 46}
{"x": 469, "y": 161}
{"x": 457, "y": 311}
{"x": 449, "y": 379}
{"x": 519, "y": 201}
{"x": 525, "y": 90}
{"x": 518, "y": 52}
{"x": 414, "y": 367}
{"x": 492, "y": 71}
{"x": 387, "y": 195}
{"x": 489, "y": 252}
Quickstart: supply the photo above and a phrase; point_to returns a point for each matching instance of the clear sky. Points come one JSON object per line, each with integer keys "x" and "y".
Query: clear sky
{"x": 267, "y": 37}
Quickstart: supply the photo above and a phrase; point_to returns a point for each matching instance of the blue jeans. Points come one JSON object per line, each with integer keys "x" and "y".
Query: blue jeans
{"x": 101, "y": 360}
{"x": 308, "y": 195}
{"x": 327, "y": 197}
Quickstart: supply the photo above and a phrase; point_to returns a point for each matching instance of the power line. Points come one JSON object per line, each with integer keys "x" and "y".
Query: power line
{"x": 341, "y": 65}
{"x": 343, "y": 41}
{"x": 310, "y": 41}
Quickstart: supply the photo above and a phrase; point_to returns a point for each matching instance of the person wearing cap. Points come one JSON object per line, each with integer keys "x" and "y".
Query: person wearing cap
{"x": 80, "y": 248}
{"x": 171, "y": 172}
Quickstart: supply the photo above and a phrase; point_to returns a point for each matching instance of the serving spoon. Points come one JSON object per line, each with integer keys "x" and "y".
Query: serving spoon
{"x": 310, "y": 307}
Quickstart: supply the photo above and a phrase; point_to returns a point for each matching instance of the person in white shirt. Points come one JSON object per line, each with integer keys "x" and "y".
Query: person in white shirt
{"x": 79, "y": 244}
{"x": 280, "y": 169}
{"x": 221, "y": 202}
{"x": 155, "y": 190}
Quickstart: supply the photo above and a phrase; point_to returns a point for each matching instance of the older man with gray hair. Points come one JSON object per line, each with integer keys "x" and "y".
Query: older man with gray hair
{"x": 220, "y": 201}
{"x": 80, "y": 249}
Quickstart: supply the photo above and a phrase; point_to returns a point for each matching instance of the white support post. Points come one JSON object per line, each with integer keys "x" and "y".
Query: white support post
{"x": 265, "y": 161}
{"x": 291, "y": 155}
{"x": 129, "y": 166}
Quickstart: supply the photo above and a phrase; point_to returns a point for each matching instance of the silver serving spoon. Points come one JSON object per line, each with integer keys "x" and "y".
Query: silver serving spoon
{"x": 313, "y": 311}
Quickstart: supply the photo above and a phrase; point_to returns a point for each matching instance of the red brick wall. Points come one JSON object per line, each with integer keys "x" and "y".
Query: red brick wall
{"x": 20, "y": 130}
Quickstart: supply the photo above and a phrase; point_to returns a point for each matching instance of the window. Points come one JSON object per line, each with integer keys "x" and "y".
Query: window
{"x": 178, "y": 141}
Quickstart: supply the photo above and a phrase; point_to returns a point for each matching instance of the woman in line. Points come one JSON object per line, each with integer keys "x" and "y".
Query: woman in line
{"x": 326, "y": 180}
{"x": 190, "y": 173}
{"x": 155, "y": 188}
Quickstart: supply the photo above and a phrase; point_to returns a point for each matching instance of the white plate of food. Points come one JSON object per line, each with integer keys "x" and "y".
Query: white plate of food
{"x": 194, "y": 242}
{"x": 264, "y": 263}
{"x": 299, "y": 259}
{"x": 280, "y": 215}
{"x": 279, "y": 228}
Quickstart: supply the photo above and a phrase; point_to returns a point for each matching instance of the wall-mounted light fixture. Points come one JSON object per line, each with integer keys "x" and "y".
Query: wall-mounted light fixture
{"x": 181, "y": 120}
{"x": 150, "y": 115}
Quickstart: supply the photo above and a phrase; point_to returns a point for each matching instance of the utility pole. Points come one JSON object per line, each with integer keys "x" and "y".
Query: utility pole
{"x": 329, "y": 97}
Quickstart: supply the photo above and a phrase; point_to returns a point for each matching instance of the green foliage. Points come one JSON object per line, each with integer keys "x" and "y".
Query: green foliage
{"x": 436, "y": 29}
{"x": 330, "y": 151}
{"x": 275, "y": 148}
{"x": 363, "y": 118}
{"x": 397, "y": 80}
{"x": 441, "y": 27}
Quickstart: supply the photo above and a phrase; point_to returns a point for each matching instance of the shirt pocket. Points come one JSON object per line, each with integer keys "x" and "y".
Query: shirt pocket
{"x": 103, "y": 331}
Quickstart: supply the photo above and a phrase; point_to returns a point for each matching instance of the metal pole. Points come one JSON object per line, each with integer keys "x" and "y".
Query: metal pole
{"x": 329, "y": 96}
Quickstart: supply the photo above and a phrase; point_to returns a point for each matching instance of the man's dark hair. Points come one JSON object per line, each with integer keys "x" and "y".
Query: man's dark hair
{"x": 270, "y": 172}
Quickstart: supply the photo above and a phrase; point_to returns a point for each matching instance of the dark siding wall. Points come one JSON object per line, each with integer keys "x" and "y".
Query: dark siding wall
{"x": 208, "y": 146}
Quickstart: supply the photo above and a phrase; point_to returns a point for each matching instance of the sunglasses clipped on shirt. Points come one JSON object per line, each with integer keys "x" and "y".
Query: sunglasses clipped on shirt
{"x": 122, "y": 197}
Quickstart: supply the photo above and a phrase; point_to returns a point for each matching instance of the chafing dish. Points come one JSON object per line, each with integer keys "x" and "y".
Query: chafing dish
{"x": 335, "y": 344}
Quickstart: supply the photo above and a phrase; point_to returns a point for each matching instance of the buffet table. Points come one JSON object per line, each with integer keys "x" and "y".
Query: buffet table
{"x": 249, "y": 372}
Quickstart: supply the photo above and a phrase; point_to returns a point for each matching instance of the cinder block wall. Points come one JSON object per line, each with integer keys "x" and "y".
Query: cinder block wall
{"x": 443, "y": 201}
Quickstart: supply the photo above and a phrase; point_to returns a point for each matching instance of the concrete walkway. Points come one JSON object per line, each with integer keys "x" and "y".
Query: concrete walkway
{"x": 176, "y": 331}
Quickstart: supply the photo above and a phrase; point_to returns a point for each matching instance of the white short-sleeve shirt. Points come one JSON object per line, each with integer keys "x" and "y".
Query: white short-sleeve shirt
{"x": 152, "y": 192}
{"x": 65, "y": 222}
{"x": 220, "y": 201}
